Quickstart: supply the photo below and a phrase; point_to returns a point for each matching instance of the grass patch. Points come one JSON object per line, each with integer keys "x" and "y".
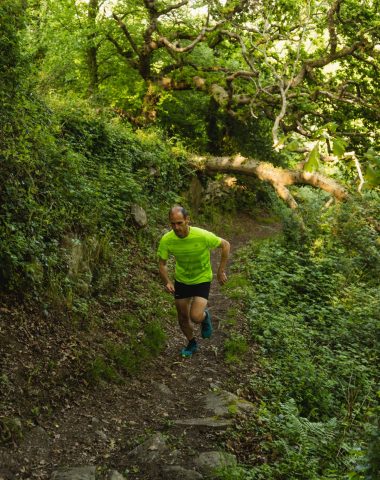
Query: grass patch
{"x": 128, "y": 358}
{"x": 237, "y": 287}
{"x": 235, "y": 348}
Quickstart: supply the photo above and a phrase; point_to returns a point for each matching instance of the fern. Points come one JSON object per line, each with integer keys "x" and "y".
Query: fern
{"x": 309, "y": 435}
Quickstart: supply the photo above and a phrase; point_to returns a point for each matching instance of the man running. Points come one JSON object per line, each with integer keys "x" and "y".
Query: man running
{"x": 193, "y": 274}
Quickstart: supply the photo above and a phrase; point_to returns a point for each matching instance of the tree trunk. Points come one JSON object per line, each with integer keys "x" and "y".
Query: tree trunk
{"x": 92, "y": 49}
{"x": 277, "y": 176}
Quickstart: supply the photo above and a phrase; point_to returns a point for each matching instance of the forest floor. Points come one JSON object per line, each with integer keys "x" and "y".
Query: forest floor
{"x": 169, "y": 407}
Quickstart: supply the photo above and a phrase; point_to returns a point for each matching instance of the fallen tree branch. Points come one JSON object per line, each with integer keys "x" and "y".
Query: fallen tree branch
{"x": 278, "y": 177}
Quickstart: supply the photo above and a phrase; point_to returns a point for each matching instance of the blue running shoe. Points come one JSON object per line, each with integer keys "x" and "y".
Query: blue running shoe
{"x": 206, "y": 330}
{"x": 192, "y": 347}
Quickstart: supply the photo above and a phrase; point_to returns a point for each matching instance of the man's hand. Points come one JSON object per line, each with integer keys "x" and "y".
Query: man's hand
{"x": 222, "y": 277}
{"x": 225, "y": 247}
{"x": 169, "y": 287}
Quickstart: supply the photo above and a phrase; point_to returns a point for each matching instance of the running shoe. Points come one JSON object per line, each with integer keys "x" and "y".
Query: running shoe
{"x": 206, "y": 330}
{"x": 192, "y": 347}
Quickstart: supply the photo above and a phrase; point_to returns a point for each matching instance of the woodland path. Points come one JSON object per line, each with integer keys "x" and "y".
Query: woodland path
{"x": 175, "y": 409}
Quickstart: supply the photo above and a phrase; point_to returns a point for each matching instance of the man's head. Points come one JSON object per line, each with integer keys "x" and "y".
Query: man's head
{"x": 179, "y": 220}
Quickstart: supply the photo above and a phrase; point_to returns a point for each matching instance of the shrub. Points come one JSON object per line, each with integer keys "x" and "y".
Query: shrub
{"x": 313, "y": 308}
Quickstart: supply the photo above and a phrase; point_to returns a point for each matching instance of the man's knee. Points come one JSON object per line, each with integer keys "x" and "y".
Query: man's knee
{"x": 197, "y": 316}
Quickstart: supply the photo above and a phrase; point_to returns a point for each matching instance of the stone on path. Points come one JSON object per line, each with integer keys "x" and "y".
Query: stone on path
{"x": 162, "y": 388}
{"x": 208, "y": 462}
{"x": 151, "y": 450}
{"x": 209, "y": 422}
{"x": 75, "y": 473}
{"x": 176, "y": 472}
{"x": 115, "y": 475}
{"x": 225, "y": 403}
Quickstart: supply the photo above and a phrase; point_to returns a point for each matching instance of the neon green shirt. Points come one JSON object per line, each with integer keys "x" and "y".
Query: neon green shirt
{"x": 192, "y": 254}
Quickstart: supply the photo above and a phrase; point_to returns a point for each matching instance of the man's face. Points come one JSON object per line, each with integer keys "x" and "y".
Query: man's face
{"x": 179, "y": 224}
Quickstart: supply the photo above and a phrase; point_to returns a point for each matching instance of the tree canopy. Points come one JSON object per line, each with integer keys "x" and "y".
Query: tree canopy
{"x": 308, "y": 70}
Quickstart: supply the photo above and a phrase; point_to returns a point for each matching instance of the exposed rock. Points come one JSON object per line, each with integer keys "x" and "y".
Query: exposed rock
{"x": 151, "y": 450}
{"x": 75, "y": 473}
{"x": 101, "y": 435}
{"x": 225, "y": 403}
{"x": 208, "y": 462}
{"x": 162, "y": 388}
{"x": 210, "y": 422}
{"x": 115, "y": 475}
{"x": 139, "y": 216}
{"x": 176, "y": 472}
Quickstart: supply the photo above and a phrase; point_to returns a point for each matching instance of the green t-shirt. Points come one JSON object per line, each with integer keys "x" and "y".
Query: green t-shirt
{"x": 192, "y": 254}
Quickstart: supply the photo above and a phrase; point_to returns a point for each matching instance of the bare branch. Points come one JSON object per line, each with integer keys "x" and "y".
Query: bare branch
{"x": 125, "y": 30}
{"x": 191, "y": 46}
{"x": 241, "y": 74}
{"x": 351, "y": 99}
{"x": 331, "y": 25}
{"x": 279, "y": 117}
{"x": 331, "y": 57}
{"x": 358, "y": 168}
{"x": 237, "y": 37}
{"x": 365, "y": 60}
{"x": 173, "y": 7}
{"x": 169, "y": 45}
{"x": 278, "y": 177}
{"x": 127, "y": 54}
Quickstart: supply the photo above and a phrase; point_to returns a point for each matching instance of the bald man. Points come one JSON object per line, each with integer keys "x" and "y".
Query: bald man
{"x": 191, "y": 248}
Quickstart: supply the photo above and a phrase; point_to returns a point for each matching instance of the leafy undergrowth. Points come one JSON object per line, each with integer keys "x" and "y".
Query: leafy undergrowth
{"x": 312, "y": 307}
{"x": 79, "y": 302}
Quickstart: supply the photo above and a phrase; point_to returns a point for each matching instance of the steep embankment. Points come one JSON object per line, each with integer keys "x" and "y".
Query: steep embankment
{"x": 166, "y": 422}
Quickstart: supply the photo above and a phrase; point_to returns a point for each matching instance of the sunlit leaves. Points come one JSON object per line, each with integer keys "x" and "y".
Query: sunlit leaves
{"x": 372, "y": 174}
{"x": 312, "y": 163}
{"x": 293, "y": 146}
{"x": 339, "y": 146}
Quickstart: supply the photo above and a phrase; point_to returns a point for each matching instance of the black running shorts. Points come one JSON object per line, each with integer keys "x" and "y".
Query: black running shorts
{"x": 187, "y": 291}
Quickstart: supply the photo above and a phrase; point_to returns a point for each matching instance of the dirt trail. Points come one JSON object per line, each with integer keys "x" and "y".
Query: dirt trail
{"x": 102, "y": 427}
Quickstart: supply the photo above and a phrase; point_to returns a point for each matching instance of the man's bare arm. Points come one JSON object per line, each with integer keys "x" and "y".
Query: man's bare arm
{"x": 163, "y": 268}
{"x": 221, "y": 275}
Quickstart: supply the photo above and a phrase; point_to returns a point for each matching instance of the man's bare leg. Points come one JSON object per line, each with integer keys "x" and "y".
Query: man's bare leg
{"x": 198, "y": 315}
{"x": 197, "y": 309}
{"x": 183, "y": 313}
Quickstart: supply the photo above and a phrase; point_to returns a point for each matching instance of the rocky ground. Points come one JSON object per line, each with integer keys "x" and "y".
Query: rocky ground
{"x": 171, "y": 421}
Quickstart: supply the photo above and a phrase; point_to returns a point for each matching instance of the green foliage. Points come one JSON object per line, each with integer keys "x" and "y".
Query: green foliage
{"x": 12, "y": 71}
{"x": 81, "y": 48}
{"x": 313, "y": 303}
{"x": 234, "y": 348}
{"x": 99, "y": 370}
{"x": 10, "y": 430}
{"x": 312, "y": 163}
{"x": 79, "y": 182}
{"x": 372, "y": 173}
{"x": 181, "y": 114}
{"x": 131, "y": 356}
